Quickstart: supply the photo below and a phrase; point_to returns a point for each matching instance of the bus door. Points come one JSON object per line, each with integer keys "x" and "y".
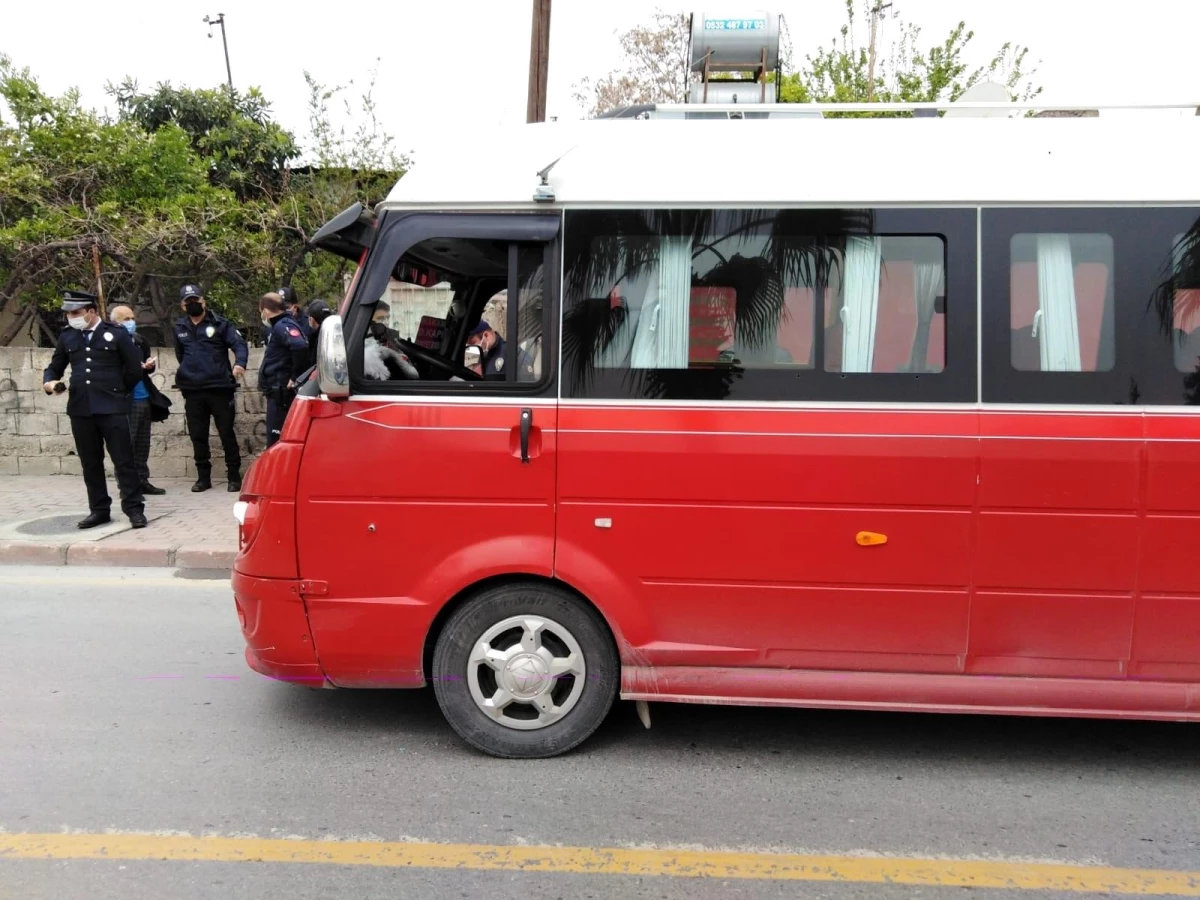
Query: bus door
{"x": 440, "y": 469}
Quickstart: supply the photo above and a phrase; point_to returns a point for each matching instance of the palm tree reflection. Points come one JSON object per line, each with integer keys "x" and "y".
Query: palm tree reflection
{"x": 615, "y": 249}
{"x": 1176, "y": 302}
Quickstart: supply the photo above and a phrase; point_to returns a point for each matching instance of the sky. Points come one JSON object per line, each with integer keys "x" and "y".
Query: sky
{"x": 445, "y": 62}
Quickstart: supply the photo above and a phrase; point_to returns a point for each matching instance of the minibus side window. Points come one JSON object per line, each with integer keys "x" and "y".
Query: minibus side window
{"x": 1090, "y": 305}
{"x": 447, "y": 317}
{"x": 1061, "y": 302}
{"x": 769, "y": 304}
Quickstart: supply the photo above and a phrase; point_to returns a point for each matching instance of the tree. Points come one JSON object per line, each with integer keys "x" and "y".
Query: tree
{"x": 369, "y": 148}
{"x": 655, "y": 68}
{"x": 75, "y": 183}
{"x": 245, "y": 149}
{"x": 845, "y": 71}
{"x": 182, "y": 185}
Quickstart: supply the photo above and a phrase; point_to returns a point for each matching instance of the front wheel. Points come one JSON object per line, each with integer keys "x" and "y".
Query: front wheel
{"x": 525, "y": 671}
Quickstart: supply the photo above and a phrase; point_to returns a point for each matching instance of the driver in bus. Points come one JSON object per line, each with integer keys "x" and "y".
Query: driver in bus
{"x": 491, "y": 345}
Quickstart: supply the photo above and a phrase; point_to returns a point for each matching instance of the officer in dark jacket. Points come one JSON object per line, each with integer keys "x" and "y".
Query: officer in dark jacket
{"x": 284, "y": 361}
{"x": 318, "y": 311}
{"x": 105, "y": 366}
{"x": 291, "y": 305}
{"x": 491, "y": 345}
{"x": 202, "y": 344}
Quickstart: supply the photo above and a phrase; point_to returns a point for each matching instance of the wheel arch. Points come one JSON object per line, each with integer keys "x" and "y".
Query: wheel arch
{"x": 468, "y": 593}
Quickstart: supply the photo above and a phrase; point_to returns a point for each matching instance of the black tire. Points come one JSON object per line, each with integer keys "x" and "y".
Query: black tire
{"x": 464, "y": 630}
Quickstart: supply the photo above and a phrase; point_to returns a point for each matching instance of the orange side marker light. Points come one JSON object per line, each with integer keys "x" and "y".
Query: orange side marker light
{"x": 870, "y": 539}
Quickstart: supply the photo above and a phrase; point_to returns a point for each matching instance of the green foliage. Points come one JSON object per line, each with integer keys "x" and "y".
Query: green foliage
{"x": 849, "y": 71}
{"x": 182, "y": 185}
{"x": 655, "y": 65}
{"x": 246, "y": 151}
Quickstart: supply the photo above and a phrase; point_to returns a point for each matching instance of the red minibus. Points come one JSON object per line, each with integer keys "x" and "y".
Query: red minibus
{"x": 886, "y": 414}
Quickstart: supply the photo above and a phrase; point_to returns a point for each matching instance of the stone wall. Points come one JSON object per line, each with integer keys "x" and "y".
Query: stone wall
{"x": 35, "y": 431}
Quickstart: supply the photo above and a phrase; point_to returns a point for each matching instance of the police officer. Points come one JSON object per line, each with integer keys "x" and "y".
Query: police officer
{"x": 105, "y": 367}
{"x": 291, "y": 304}
{"x": 316, "y": 313}
{"x": 202, "y": 344}
{"x": 285, "y": 360}
{"x": 491, "y": 345}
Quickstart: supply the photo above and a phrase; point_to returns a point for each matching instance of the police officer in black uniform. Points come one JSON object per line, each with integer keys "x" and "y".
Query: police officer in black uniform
{"x": 316, "y": 313}
{"x": 285, "y": 360}
{"x": 491, "y": 345}
{"x": 202, "y": 344}
{"x": 105, "y": 367}
{"x": 292, "y": 305}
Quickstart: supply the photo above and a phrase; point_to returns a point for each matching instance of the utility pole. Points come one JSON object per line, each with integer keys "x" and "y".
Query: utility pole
{"x": 876, "y": 12}
{"x": 220, "y": 20}
{"x": 539, "y": 61}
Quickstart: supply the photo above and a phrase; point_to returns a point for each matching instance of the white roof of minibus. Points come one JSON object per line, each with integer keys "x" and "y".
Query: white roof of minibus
{"x": 818, "y": 162}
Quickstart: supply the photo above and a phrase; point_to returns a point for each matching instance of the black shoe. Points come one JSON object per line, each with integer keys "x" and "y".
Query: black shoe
{"x": 235, "y": 485}
{"x": 148, "y": 488}
{"x": 138, "y": 520}
{"x": 202, "y": 485}
{"x": 94, "y": 519}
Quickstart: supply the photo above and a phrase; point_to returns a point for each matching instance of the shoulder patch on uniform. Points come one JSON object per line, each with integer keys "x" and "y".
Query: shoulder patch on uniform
{"x": 294, "y": 332}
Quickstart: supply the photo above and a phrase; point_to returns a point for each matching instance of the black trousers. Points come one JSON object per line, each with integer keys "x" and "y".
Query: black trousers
{"x": 199, "y": 407}
{"x": 94, "y": 433}
{"x": 139, "y": 433}
{"x": 278, "y": 403}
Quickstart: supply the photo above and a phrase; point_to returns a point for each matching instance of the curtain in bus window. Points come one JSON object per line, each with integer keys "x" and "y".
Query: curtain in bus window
{"x": 927, "y": 282}
{"x": 623, "y": 319}
{"x": 1057, "y": 319}
{"x": 661, "y": 340}
{"x": 860, "y": 304}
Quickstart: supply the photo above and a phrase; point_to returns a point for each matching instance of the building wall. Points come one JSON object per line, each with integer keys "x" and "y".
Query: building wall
{"x": 35, "y": 431}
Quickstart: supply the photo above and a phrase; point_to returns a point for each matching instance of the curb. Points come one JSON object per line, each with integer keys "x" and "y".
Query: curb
{"x": 95, "y": 553}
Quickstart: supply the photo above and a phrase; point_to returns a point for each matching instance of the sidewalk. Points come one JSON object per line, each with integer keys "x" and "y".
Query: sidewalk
{"x": 188, "y": 531}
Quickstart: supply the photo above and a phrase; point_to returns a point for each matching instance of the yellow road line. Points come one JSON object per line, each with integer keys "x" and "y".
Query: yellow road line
{"x": 55, "y": 580}
{"x": 611, "y": 861}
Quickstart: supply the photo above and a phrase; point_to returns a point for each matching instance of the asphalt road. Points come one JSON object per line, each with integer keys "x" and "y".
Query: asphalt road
{"x": 126, "y": 706}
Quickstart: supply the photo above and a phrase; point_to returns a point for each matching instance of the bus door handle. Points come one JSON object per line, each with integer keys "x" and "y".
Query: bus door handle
{"x": 526, "y": 427}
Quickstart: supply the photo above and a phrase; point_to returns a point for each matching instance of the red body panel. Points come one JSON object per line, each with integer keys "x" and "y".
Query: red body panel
{"x": 1035, "y": 562}
{"x": 736, "y": 531}
{"x": 431, "y": 499}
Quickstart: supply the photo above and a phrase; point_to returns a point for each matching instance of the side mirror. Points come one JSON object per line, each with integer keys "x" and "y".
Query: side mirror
{"x": 333, "y": 374}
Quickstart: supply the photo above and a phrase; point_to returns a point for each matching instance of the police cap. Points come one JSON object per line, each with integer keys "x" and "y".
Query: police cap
{"x": 288, "y": 295}
{"x": 318, "y": 310}
{"x": 76, "y": 300}
{"x": 188, "y": 291}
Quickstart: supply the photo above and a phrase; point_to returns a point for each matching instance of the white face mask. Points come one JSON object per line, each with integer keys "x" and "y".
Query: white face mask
{"x": 266, "y": 318}
{"x": 78, "y": 322}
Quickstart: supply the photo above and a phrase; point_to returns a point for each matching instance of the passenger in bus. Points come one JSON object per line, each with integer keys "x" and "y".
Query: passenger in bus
{"x": 380, "y": 330}
{"x": 491, "y": 345}
{"x": 382, "y": 363}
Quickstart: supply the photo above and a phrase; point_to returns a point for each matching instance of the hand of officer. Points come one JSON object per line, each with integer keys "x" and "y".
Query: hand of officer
{"x": 48, "y": 387}
{"x": 149, "y": 364}
{"x": 238, "y": 371}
